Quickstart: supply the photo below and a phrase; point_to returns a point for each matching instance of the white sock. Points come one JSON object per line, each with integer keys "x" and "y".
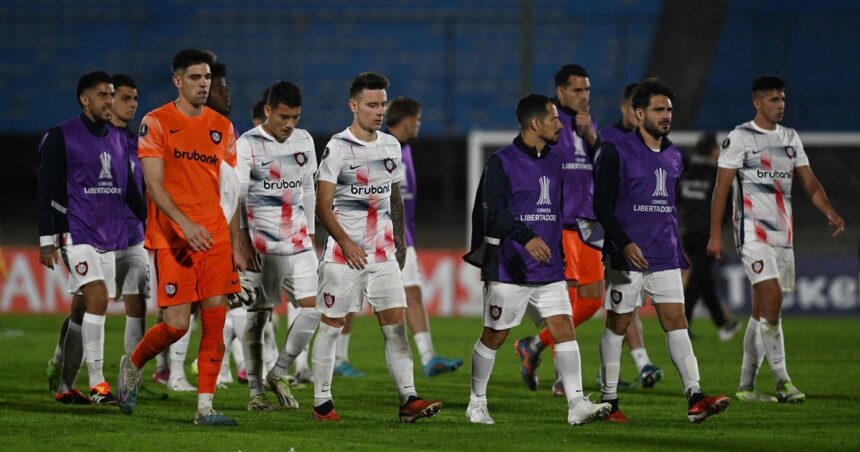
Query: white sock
{"x": 610, "y": 363}
{"x": 73, "y": 357}
{"x": 298, "y": 337}
{"x": 253, "y": 344}
{"x": 270, "y": 346}
{"x": 323, "y": 359}
{"x": 681, "y": 352}
{"x": 569, "y": 367}
{"x": 640, "y": 357}
{"x": 483, "y": 359}
{"x": 753, "y": 356}
{"x": 425, "y": 346}
{"x": 178, "y": 351}
{"x": 240, "y": 318}
{"x": 398, "y": 357}
{"x": 134, "y": 329}
{"x": 93, "y": 334}
{"x": 57, "y": 360}
{"x": 774, "y": 349}
{"x": 341, "y": 354}
{"x": 204, "y": 402}
{"x": 301, "y": 361}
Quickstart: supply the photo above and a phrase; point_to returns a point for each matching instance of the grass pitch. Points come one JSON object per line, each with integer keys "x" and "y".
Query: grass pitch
{"x": 823, "y": 359}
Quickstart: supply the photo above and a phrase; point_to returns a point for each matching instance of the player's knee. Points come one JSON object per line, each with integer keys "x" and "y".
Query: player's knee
{"x": 618, "y": 323}
{"x": 173, "y": 332}
{"x": 493, "y": 339}
{"x": 591, "y": 290}
{"x": 334, "y": 323}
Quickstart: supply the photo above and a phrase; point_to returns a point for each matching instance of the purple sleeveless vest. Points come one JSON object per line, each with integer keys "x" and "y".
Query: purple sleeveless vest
{"x": 409, "y": 189}
{"x": 535, "y": 199}
{"x": 576, "y": 158}
{"x": 646, "y": 206}
{"x": 97, "y": 177}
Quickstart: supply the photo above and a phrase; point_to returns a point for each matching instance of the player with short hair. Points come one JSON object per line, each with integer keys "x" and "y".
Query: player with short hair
{"x": 636, "y": 179}
{"x": 760, "y": 160}
{"x": 84, "y": 179}
{"x": 132, "y": 263}
{"x": 360, "y": 205}
{"x": 276, "y": 162}
{"x": 517, "y": 242}
{"x": 578, "y": 140}
{"x": 187, "y": 151}
{"x": 403, "y": 119}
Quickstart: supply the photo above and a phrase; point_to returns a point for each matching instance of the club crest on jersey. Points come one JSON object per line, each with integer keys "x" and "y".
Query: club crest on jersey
{"x": 757, "y": 267}
{"x": 389, "y": 165}
{"x": 301, "y": 159}
{"x": 82, "y": 268}
{"x": 615, "y": 296}
{"x": 726, "y": 143}
{"x": 144, "y": 129}
{"x": 170, "y": 289}
{"x": 495, "y": 312}
{"x": 216, "y": 136}
{"x": 328, "y": 299}
{"x": 544, "y": 191}
{"x": 790, "y": 152}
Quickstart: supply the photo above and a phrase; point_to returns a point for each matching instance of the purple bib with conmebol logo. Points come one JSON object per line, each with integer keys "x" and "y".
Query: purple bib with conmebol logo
{"x": 646, "y": 205}
{"x": 96, "y": 183}
{"x": 535, "y": 199}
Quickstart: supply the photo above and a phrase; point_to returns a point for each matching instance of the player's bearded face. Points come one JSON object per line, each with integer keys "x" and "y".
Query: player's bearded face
{"x": 657, "y": 118}
{"x": 97, "y": 102}
{"x": 550, "y": 126}
{"x": 282, "y": 120}
{"x": 369, "y": 108}
{"x": 193, "y": 83}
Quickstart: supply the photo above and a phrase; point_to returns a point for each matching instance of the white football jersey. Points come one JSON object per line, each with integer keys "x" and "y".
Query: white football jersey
{"x": 277, "y": 185}
{"x": 765, "y": 160}
{"x": 363, "y": 173}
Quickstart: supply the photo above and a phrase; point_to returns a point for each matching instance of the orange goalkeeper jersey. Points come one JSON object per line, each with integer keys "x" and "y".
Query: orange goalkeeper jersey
{"x": 192, "y": 149}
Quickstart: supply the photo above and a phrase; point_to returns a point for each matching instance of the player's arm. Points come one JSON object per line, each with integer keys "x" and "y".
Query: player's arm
{"x": 243, "y": 174}
{"x": 398, "y": 220}
{"x": 496, "y": 190}
{"x": 606, "y": 180}
{"x": 354, "y": 254}
{"x": 815, "y": 191}
{"x": 134, "y": 198}
{"x": 309, "y": 194}
{"x": 585, "y": 127}
{"x": 153, "y": 172}
{"x": 722, "y": 185}
{"x": 52, "y": 163}
{"x": 732, "y": 155}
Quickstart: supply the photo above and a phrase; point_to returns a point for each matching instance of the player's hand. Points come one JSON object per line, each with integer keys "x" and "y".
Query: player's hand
{"x": 715, "y": 248}
{"x": 253, "y": 262}
{"x": 836, "y": 222}
{"x": 355, "y": 256}
{"x": 197, "y": 236}
{"x": 538, "y": 250}
{"x": 634, "y": 256}
{"x": 582, "y": 121}
{"x": 48, "y": 256}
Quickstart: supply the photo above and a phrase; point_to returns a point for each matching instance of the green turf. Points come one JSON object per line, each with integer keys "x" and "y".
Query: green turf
{"x": 823, "y": 359}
